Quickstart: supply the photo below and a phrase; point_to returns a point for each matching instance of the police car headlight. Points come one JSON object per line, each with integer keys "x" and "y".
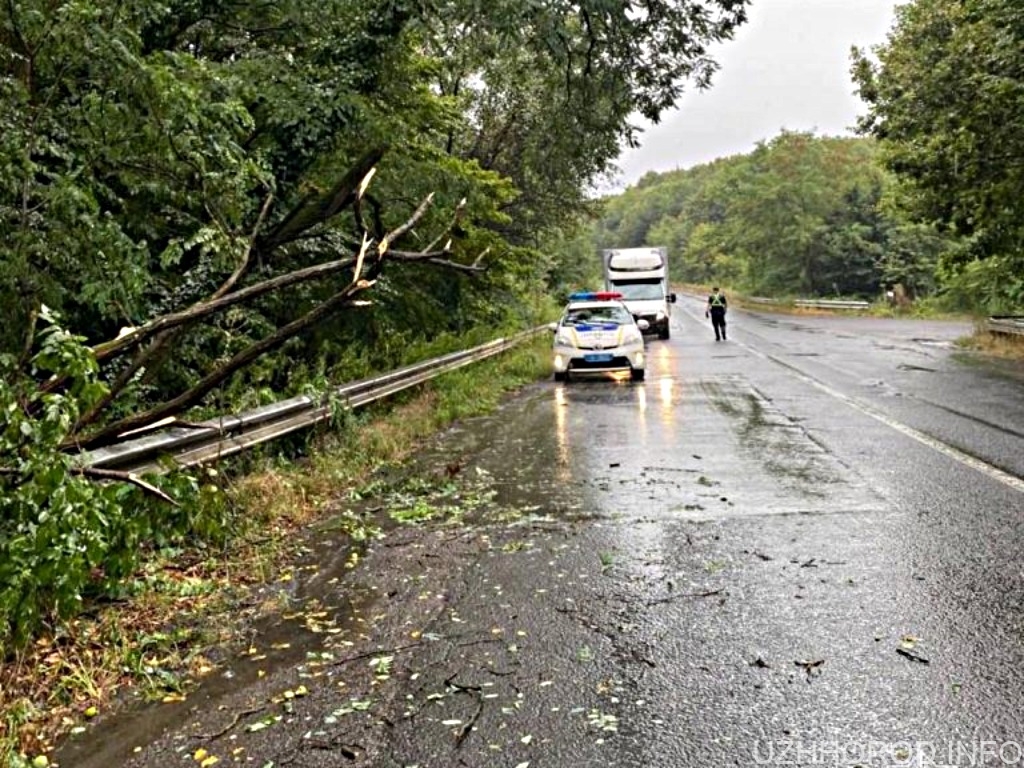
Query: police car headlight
{"x": 632, "y": 335}
{"x": 564, "y": 338}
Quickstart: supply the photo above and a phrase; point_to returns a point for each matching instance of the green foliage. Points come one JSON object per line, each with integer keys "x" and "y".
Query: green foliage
{"x": 800, "y": 215}
{"x": 946, "y": 93}
{"x": 63, "y": 535}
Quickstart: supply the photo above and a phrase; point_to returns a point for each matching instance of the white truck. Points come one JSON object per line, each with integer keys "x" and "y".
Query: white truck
{"x": 641, "y": 276}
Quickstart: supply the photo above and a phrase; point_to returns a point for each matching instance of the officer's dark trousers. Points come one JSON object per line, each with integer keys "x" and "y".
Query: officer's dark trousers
{"x": 718, "y": 322}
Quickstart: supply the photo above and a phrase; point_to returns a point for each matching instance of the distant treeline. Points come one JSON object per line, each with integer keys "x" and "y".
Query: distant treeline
{"x": 799, "y": 216}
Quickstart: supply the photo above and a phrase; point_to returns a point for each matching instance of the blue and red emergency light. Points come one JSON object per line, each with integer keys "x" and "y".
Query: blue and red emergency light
{"x": 595, "y": 296}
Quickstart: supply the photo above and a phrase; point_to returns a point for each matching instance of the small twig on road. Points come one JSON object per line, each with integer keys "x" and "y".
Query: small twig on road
{"x": 810, "y": 667}
{"x": 501, "y": 672}
{"x": 488, "y": 641}
{"x": 450, "y": 682}
{"x": 680, "y": 596}
{"x": 912, "y": 656}
{"x": 372, "y": 654}
{"x": 467, "y": 727}
{"x": 234, "y": 721}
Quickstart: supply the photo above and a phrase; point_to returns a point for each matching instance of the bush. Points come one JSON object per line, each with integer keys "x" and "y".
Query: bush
{"x": 62, "y": 534}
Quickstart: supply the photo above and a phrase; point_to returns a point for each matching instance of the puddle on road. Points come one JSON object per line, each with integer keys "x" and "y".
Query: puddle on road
{"x": 781, "y": 446}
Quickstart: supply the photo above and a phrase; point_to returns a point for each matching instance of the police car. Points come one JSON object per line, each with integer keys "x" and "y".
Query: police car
{"x": 598, "y": 334}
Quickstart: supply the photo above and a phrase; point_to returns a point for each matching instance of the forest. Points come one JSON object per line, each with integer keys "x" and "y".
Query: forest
{"x": 927, "y": 198}
{"x": 211, "y": 204}
{"x": 800, "y": 216}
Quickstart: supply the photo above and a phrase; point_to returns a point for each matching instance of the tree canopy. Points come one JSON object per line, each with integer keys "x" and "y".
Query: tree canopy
{"x": 946, "y": 96}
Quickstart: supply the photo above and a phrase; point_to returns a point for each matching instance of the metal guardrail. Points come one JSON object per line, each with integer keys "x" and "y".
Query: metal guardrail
{"x": 1012, "y": 325}
{"x": 812, "y": 303}
{"x": 227, "y": 435}
{"x": 831, "y": 304}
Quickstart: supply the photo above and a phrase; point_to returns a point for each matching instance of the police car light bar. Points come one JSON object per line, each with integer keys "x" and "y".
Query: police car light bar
{"x": 595, "y": 296}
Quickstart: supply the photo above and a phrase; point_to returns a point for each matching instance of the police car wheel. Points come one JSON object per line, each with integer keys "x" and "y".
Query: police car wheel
{"x": 561, "y": 375}
{"x": 636, "y": 374}
{"x": 664, "y": 333}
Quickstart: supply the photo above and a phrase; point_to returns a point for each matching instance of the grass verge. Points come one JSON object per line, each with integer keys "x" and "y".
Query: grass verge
{"x": 154, "y": 637}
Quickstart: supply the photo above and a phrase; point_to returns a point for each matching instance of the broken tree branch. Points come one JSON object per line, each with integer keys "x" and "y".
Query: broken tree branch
{"x": 209, "y": 307}
{"x": 193, "y": 395}
{"x": 94, "y": 473}
{"x": 437, "y": 258}
{"x": 164, "y": 338}
{"x": 390, "y": 237}
{"x": 317, "y": 209}
{"x": 209, "y": 382}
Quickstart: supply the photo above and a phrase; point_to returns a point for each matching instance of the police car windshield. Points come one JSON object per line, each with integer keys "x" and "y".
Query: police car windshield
{"x": 609, "y": 313}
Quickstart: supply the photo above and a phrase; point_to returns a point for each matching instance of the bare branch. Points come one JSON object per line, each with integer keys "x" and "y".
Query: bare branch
{"x": 205, "y": 308}
{"x": 396, "y": 233}
{"x": 124, "y": 477}
{"x": 240, "y": 270}
{"x": 460, "y": 209}
{"x": 438, "y": 258}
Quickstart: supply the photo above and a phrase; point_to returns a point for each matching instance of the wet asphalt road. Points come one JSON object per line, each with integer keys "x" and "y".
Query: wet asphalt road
{"x": 798, "y": 547}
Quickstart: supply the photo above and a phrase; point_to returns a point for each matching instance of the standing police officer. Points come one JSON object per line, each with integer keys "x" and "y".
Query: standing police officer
{"x": 716, "y": 311}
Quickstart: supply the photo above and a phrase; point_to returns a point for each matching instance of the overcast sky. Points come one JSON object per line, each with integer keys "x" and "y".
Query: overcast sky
{"x": 787, "y": 68}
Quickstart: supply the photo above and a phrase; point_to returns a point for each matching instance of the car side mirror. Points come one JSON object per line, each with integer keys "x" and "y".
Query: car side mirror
{"x": 671, "y": 298}
{"x": 642, "y": 324}
{"x": 552, "y": 327}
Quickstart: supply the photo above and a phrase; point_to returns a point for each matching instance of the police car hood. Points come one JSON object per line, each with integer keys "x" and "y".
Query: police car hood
{"x": 598, "y": 335}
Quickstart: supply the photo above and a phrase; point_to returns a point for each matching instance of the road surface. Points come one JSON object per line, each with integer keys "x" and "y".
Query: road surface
{"x": 801, "y": 546}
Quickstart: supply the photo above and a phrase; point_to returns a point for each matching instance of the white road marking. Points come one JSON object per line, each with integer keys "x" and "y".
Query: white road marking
{"x": 935, "y": 444}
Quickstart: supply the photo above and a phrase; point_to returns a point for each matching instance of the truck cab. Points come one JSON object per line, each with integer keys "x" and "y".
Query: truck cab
{"x": 641, "y": 276}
